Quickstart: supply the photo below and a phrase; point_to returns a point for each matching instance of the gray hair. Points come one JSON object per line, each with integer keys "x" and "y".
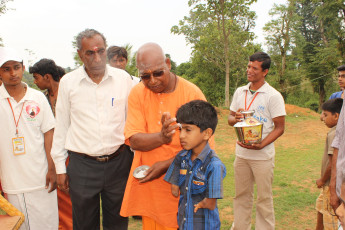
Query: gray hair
{"x": 88, "y": 33}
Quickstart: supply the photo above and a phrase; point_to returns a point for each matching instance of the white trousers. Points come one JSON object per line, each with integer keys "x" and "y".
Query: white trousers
{"x": 248, "y": 172}
{"x": 40, "y": 209}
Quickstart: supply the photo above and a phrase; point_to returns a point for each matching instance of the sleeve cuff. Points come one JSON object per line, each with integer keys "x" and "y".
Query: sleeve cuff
{"x": 60, "y": 167}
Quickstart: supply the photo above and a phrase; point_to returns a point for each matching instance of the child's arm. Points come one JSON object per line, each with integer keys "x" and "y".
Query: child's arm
{"x": 175, "y": 190}
{"x": 327, "y": 175}
{"x": 209, "y": 203}
{"x": 51, "y": 174}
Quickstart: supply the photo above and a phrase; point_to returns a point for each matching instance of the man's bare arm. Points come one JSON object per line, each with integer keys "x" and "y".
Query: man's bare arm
{"x": 148, "y": 141}
{"x": 51, "y": 174}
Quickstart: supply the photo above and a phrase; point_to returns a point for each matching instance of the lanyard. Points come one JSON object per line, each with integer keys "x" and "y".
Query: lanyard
{"x": 14, "y": 118}
{"x": 245, "y": 101}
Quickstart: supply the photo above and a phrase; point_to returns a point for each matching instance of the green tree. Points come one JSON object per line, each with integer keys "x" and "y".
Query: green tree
{"x": 219, "y": 30}
{"x": 3, "y": 10}
{"x": 3, "y": 7}
{"x": 279, "y": 36}
{"x": 316, "y": 46}
{"x": 77, "y": 61}
{"x": 331, "y": 17}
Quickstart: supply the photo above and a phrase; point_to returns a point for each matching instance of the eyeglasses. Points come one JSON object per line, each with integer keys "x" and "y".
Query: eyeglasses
{"x": 341, "y": 75}
{"x": 147, "y": 76}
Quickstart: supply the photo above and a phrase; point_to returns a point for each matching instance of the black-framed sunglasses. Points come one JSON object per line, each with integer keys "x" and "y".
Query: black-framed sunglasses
{"x": 147, "y": 76}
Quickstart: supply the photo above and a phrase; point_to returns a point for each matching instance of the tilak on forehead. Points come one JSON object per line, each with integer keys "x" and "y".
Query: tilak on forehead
{"x": 95, "y": 48}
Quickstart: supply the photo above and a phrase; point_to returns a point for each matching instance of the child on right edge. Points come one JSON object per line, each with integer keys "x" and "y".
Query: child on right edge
{"x": 326, "y": 218}
{"x": 196, "y": 171}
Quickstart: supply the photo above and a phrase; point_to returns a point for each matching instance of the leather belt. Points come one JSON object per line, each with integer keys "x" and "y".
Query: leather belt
{"x": 104, "y": 158}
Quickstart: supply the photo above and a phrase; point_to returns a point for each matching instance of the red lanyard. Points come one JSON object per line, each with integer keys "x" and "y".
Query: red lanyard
{"x": 14, "y": 118}
{"x": 245, "y": 102}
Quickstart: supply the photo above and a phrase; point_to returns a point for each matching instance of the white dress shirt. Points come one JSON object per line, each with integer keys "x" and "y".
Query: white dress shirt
{"x": 90, "y": 117}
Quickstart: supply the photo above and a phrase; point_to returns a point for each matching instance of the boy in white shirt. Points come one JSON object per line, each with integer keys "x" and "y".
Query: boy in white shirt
{"x": 26, "y": 167}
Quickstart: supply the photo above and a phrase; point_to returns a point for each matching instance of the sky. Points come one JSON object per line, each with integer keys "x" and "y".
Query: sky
{"x": 46, "y": 28}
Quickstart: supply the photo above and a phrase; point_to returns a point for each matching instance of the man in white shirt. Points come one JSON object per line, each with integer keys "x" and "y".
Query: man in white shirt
{"x": 255, "y": 163}
{"x": 27, "y": 126}
{"x": 90, "y": 118}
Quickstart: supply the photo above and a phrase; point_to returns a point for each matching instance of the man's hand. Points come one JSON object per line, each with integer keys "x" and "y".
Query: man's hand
{"x": 168, "y": 128}
{"x": 252, "y": 146}
{"x": 239, "y": 116}
{"x": 62, "y": 181}
{"x": 235, "y": 117}
{"x": 51, "y": 179}
{"x": 320, "y": 183}
{"x": 155, "y": 171}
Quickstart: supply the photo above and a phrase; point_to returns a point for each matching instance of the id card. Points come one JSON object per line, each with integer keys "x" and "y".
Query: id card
{"x": 18, "y": 146}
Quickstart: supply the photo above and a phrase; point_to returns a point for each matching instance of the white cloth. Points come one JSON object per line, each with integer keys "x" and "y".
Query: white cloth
{"x": 27, "y": 172}
{"x": 40, "y": 209}
{"x": 90, "y": 117}
{"x": 268, "y": 104}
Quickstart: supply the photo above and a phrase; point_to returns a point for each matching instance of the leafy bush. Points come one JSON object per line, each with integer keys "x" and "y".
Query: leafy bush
{"x": 313, "y": 105}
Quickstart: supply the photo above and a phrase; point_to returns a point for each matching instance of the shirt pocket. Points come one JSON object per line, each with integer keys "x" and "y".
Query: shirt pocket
{"x": 198, "y": 186}
{"x": 117, "y": 109}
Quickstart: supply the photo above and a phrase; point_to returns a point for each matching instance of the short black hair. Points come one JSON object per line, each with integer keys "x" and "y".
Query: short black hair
{"x": 199, "y": 113}
{"x": 261, "y": 57}
{"x": 47, "y": 66}
{"x": 333, "y": 105}
{"x": 341, "y": 68}
{"x": 116, "y": 51}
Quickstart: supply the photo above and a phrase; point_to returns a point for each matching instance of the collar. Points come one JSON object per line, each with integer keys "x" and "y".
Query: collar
{"x": 83, "y": 75}
{"x": 262, "y": 89}
{"x": 4, "y": 94}
{"x": 202, "y": 156}
{"x": 333, "y": 128}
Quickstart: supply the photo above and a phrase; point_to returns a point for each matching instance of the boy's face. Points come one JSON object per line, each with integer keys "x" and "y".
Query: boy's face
{"x": 11, "y": 73}
{"x": 118, "y": 62}
{"x": 192, "y": 138}
{"x": 330, "y": 119}
{"x": 41, "y": 81}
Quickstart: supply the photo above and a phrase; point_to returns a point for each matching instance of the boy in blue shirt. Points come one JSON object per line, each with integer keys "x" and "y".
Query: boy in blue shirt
{"x": 196, "y": 171}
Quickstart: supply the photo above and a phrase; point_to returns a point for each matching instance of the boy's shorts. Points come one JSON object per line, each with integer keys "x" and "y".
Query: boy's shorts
{"x": 330, "y": 220}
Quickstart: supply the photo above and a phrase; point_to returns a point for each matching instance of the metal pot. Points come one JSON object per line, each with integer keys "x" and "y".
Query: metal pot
{"x": 249, "y": 131}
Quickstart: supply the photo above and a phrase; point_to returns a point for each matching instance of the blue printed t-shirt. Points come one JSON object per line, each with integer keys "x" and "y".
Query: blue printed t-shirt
{"x": 202, "y": 178}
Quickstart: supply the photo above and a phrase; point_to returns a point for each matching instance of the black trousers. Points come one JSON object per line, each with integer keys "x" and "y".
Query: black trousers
{"x": 91, "y": 181}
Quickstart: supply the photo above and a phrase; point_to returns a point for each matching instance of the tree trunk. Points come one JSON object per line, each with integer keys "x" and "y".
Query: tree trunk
{"x": 322, "y": 96}
{"x": 281, "y": 77}
{"x": 227, "y": 82}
